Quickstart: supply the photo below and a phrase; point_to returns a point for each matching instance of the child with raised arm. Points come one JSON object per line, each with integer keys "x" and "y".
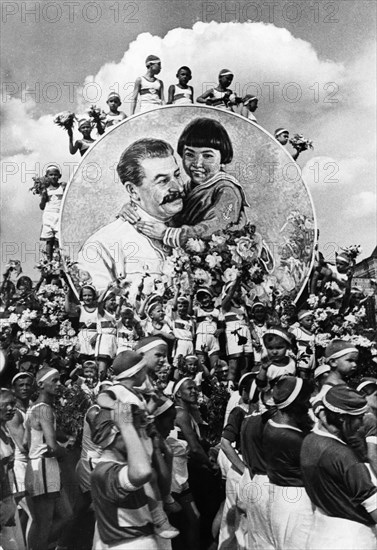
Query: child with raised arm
{"x": 181, "y": 93}
{"x": 83, "y": 144}
{"x": 51, "y": 200}
{"x": 221, "y": 95}
{"x": 114, "y": 116}
{"x": 149, "y": 89}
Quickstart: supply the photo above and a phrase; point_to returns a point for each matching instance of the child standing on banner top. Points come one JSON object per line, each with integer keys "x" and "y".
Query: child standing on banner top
{"x": 114, "y": 116}
{"x": 148, "y": 88}
{"x": 83, "y": 144}
{"x": 222, "y": 95}
{"x": 181, "y": 93}
{"x": 51, "y": 200}
{"x": 282, "y": 136}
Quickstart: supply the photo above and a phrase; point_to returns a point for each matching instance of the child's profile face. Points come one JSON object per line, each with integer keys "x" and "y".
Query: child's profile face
{"x": 342, "y": 267}
{"x": 53, "y": 176}
{"x": 201, "y": 163}
{"x": 276, "y": 349}
{"x": 307, "y": 322}
{"x": 156, "y": 357}
{"x": 157, "y": 313}
{"x": 184, "y": 76}
{"x": 283, "y": 138}
{"x": 128, "y": 319}
{"x": 346, "y": 365}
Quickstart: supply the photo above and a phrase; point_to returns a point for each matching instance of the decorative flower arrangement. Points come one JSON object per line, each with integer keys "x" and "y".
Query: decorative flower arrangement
{"x": 221, "y": 260}
{"x": 49, "y": 267}
{"x": 39, "y": 185}
{"x": 71, "y": 409}
{"x": 65, "y": 120}
{"x": 97, "y": 114}
{"x": 352, "y": 251}
{"x": 299, "y": 142}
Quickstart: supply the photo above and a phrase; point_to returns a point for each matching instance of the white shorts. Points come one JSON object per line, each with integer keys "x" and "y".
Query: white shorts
{"x": 183, "y": 347}
{"x": 106, "y": 344}
{"x": 50, "y": 226}
{"x": 42, "y": 476}
{"x": 207, "y": 343}
{"x": 232, "y": 345}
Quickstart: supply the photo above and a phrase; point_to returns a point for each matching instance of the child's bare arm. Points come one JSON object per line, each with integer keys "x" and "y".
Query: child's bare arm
{"x": 170, "y": 94}
{"x": 135, "y": 94}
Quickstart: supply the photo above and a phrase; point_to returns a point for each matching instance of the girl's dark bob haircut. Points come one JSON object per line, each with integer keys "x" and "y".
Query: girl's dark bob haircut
{"x": 206, "y": 132}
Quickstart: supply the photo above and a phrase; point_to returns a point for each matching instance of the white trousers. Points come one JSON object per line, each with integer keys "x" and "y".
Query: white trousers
{"x": 339, "y": 534}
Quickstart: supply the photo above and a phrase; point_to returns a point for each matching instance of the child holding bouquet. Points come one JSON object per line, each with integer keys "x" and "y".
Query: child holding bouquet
{"x": 51, "y": 198}
{"x": 221, "y": 96}
{"x": 83, "y": 144}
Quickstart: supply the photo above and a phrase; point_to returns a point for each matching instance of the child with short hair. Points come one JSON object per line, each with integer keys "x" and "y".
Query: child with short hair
{"x": 277, "y": 342}
{"x": 213, "y": 200}
{"x": 304, "y": 340}
{"x": 221, "y": 95}
{"x": 129, "y": 330}
{"x": 51, "y": 201}
{"x": 83, "y": 144}
{"x": 114, "y": 116}
{"x": 207, "y": 327}
{"x": 148, "y": 88}
{"x": 183, "y": 326}
{"x": 181, "y": 93}
{"x": 239, "y": 346}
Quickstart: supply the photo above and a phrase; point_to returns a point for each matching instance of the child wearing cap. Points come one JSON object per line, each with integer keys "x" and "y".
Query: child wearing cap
{"x": 181, "y": 93}
{"x": 341, "y": 356}
{"x": 51, "y": 201}
{"x": 338, "y": 483}
{"x": 368, "y": 431}
{"x": 148, "y": 88}
{"x": 114, "y": 116}
{"x": 130, "y": 373}
{"x": 221, "y": 95}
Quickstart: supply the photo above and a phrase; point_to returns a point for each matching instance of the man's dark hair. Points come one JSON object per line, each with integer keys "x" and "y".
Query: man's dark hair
{"x": 129, "y": 167}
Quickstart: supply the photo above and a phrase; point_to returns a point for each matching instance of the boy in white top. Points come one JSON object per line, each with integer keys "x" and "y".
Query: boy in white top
{"x": 148, "y": 88}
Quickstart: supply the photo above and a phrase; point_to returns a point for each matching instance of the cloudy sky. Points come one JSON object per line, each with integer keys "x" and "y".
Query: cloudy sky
{"x": 312, "y": 65}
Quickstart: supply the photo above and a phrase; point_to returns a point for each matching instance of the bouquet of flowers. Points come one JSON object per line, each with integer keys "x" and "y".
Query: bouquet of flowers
{"x": 299, "y": 142}
{"x": 71, "y": 409}
{"x": 39, "y": 185}
{"x": 97, "y": 114}
{"x": 228, "y": 255}
{"x": 49, "y": 267}
{"x": 66, "y": 120}
{"x": 352, "y": 251}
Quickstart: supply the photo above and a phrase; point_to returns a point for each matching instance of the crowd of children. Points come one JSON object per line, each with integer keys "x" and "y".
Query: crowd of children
{"x": 219, "y": 398}
{"x": 148, "y": 94}
{"x": 184, "y": 418}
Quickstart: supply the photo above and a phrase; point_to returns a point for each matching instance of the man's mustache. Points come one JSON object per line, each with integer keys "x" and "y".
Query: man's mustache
{"x": 171, "y": 197}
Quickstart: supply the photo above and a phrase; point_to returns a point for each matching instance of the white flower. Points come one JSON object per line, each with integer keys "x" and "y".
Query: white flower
{"x": 13, "y": 319}
{"x": 230, "y": 274}
{"x": 313, "y": 301}
{"x": 213, "y": 260}
{"x": 217, "y": 240}
{"x": 202, "y": 277}
{"x": 195, "y": 245}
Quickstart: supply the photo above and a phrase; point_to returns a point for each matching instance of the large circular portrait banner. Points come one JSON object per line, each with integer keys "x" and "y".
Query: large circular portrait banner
{"x": 190, "y": 196}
